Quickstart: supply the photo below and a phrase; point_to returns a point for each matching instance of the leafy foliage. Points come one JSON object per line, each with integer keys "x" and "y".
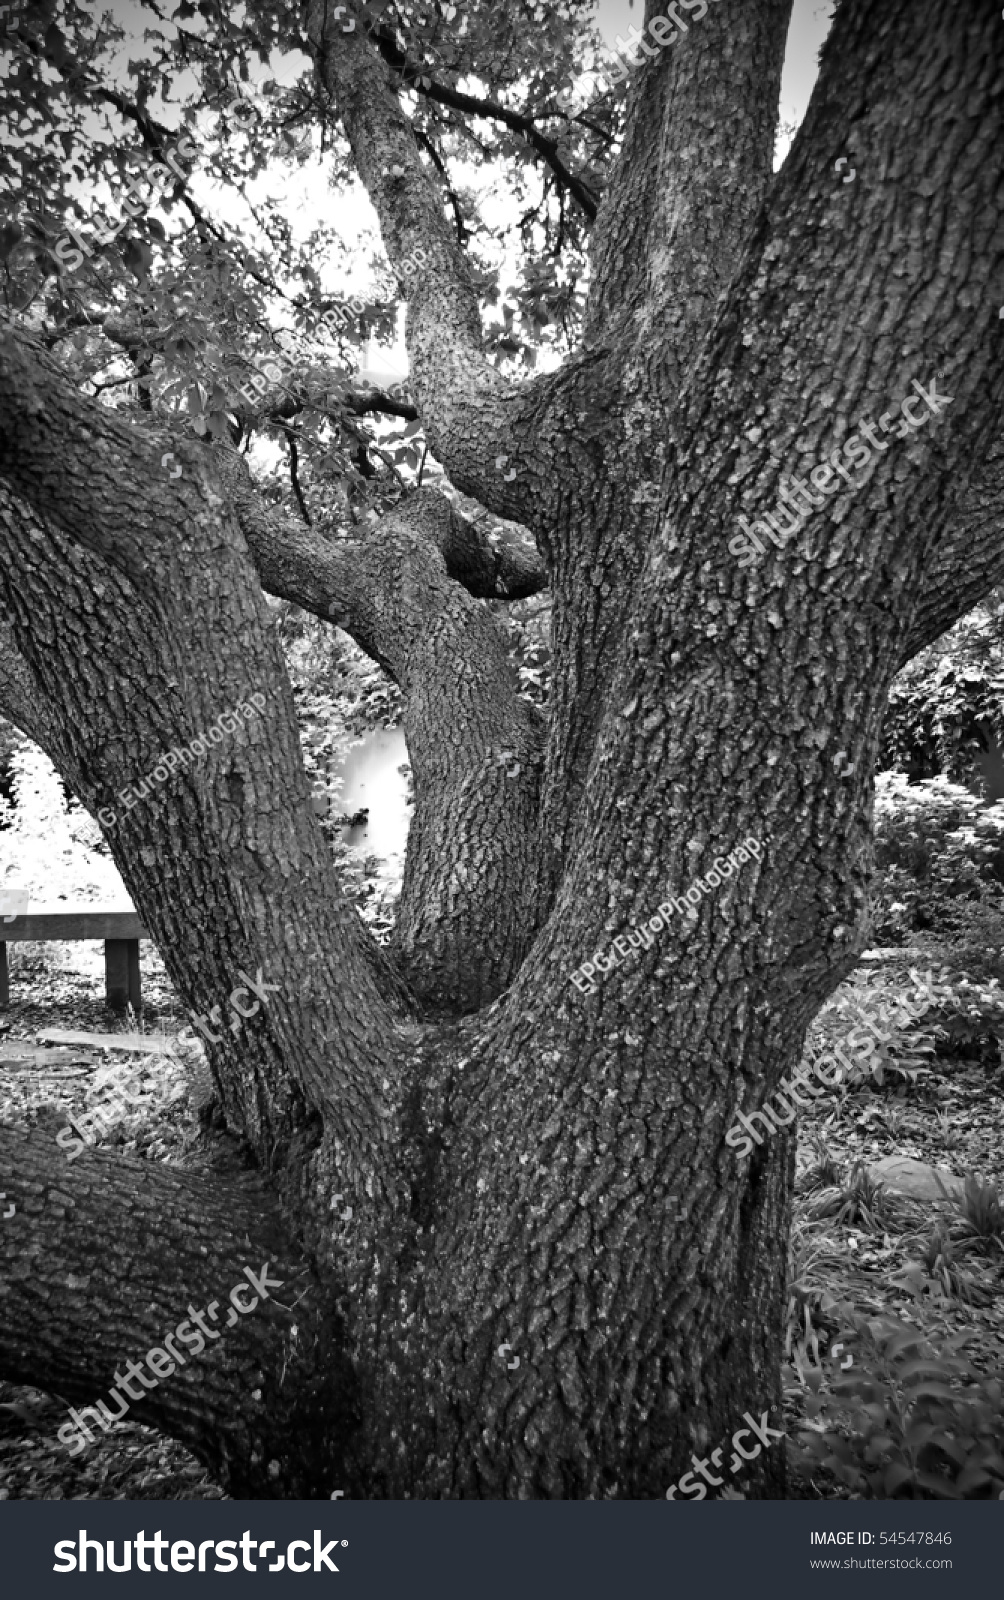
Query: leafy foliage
{"x": 905, "y": 1054}
{"x": 947, "y": 704}
{"x": 910, "y": 1420}
{"x": 940, "y": 864}
{"x": 207, "y": 296}
{"x": 983, "y": 1211}
{"x": 860, "y": 1202}
{"x": 939, "y": 1271}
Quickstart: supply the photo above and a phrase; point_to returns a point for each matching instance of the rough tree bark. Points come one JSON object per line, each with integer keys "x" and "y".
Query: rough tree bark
{"x": 456, "y": 1148}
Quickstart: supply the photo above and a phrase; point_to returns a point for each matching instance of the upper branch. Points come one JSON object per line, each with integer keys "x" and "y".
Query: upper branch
{"x": 690, "y": 177}
{"x": 830, "y": 335}
{"x": 461, "y": 397}
{"x": 68, "y": 457}
{"x": 417, "y": 78}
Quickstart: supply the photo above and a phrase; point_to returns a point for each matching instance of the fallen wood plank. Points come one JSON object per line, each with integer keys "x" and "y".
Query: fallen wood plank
{"x": 151, "y": 1043}
{"x": 16, "y": 1050}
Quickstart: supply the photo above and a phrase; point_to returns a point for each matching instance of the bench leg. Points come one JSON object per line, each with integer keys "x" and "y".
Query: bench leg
{"x": 122, "y": 985}
{"x": 4, "y": 977}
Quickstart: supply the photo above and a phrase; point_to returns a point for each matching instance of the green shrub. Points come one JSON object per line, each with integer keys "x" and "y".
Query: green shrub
{"x": 908, "y": 1421}
{"x": 908, "y": 1052}
{"x": 946, "y": 706}
{"x": 939, "y": 858}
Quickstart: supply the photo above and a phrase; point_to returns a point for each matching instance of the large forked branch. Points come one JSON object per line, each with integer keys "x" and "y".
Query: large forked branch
{"x": 436, "y": 628}
{"x": 140, "y": 664}
{"x": 468, "y": 905}
{"x": 747, "y": 702}
{"x": 779, "y": 388}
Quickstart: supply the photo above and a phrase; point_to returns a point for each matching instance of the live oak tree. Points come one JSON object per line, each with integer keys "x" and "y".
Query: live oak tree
{"x": 451, "y": 1149}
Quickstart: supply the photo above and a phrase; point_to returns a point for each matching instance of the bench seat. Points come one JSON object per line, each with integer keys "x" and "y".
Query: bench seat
{"x": 119, "y": 927}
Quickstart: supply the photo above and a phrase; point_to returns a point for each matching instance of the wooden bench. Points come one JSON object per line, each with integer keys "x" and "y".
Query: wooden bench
{"x": 121, "y": 931}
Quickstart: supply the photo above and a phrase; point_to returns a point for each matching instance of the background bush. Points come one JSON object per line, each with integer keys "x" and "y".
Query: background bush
{"x": 939, "y": 858}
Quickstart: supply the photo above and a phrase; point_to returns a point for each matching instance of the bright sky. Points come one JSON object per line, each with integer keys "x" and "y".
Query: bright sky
{"x": 302, "y": 193}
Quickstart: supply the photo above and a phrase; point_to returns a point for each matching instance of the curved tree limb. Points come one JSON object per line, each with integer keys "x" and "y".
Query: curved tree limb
{"x": 966, "y": 561}
{"x": 460, "y": 395}
{"x": 241, "y": 877}
{"x": 491, "y": 557}
{"x": 101, "y": 1262}
{"x": 466, "y": 912}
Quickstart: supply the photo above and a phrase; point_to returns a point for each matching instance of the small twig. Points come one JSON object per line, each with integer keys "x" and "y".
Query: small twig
{"x": 454, "y": 199}
{"x": 294, "y": 478}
